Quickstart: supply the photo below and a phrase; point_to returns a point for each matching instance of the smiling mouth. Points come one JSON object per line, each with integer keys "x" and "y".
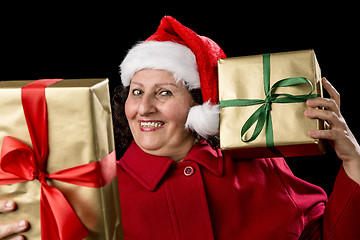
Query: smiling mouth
{"x": 151, "y": 125}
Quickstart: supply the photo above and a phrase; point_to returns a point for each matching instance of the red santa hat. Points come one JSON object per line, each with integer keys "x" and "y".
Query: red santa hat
{"x": 191, "y": 58}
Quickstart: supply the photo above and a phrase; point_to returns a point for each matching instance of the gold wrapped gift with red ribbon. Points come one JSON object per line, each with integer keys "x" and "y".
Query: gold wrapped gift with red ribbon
{"x": 59, "y": 132}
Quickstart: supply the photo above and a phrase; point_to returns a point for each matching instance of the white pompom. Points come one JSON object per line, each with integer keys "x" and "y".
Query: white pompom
{"x": 204, "y": 119}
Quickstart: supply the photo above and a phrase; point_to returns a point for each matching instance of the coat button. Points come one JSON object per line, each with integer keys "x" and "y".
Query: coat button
{"x": 188, "y": 171}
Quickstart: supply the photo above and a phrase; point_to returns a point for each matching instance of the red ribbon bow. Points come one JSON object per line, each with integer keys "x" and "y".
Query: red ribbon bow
{"x": 20, "y": 163}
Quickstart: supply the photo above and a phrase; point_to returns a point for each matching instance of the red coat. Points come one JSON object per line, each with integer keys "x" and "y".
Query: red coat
{"x": 210, "y": 196}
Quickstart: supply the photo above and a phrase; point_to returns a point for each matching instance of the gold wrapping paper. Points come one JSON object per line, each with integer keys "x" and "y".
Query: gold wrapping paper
{"x": 242, "y": 78}
{"x": 80, "y": 132}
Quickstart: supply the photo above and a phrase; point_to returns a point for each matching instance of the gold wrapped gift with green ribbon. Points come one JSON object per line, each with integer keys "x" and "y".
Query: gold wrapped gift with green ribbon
{"x": 262, "y": 100}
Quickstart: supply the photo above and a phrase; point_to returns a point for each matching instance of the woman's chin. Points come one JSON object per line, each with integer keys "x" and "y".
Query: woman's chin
{"x": 149, "y": 144}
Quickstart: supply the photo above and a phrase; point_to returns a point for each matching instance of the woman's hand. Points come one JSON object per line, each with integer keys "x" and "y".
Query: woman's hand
{"x": 12, "y": 228}
{"x": 337, "y": 131}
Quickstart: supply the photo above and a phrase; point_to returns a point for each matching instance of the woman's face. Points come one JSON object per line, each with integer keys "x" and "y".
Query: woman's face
{"x": 156, "y": 109}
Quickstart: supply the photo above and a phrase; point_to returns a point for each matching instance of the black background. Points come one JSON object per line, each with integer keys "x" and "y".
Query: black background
{"x": 89, "y": 40}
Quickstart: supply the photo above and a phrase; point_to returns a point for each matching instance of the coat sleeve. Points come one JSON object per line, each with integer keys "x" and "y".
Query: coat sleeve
{"x": 335, "y": 218}
{"x": 309, "y": 199}
{"x": 342, "y": 212}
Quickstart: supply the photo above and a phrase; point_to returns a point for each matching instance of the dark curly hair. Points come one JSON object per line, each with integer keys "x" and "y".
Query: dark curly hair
{"x": 123, "y": 136}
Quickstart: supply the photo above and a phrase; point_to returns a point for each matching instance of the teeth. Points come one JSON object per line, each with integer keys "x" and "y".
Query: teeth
{"x": 151, "y": 124}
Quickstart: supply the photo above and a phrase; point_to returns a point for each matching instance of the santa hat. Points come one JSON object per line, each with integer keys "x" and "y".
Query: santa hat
{"x": 191, "y": 58}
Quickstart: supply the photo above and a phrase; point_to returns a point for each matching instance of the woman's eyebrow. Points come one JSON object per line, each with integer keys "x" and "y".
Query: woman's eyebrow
{"x": 172, "y": 84}
{"x": 156, "y": 84}
{"x": 140, "y": 84}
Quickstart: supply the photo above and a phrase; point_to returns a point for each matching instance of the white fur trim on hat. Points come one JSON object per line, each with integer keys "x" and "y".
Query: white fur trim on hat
{"x": 170, "y": 56}
{"x": 204, "y": 119}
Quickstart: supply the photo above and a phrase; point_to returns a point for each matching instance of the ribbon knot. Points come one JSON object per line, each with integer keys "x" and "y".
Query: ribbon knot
{"x": 262, "y": 116}
{"x": 41, "y": 176}
{"x": 268, "y": 102}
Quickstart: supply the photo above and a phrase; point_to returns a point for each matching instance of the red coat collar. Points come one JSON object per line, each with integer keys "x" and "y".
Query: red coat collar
{"x": 148, "y": 169}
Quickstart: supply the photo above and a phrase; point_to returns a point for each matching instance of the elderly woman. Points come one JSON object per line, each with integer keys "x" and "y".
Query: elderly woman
{"x": 175, "y": 183}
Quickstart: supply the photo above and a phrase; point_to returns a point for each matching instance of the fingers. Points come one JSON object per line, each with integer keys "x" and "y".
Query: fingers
{"x": 7, "y": 206}
{"x": 334, "y": 94}
{"x": 327, "y": 109}
{"x": 12, "y": 228}
{"x": 332, "y": 103}
{"x": 334, "y": 119}
{"x": 322, "y": 134}
{"x": 326, "y": 103}
{"x": 18, "y": 238}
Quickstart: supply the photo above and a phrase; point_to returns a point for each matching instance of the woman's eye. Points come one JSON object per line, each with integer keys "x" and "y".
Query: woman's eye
{"x": 136, "y": 92}
{"x": 165, "y": 93}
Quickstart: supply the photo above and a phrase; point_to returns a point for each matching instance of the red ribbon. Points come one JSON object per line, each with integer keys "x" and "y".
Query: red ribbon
{"x": 20, "y": 163}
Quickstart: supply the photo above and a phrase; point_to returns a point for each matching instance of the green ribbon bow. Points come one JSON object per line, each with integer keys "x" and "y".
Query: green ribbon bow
{"x": 262, "y": 116}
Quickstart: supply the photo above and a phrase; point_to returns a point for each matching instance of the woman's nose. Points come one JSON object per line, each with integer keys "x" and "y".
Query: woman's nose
{"x": 147, "y": 105}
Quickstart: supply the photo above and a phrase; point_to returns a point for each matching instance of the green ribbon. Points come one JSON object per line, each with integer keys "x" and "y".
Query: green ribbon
{"x": 262, "y": 116}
